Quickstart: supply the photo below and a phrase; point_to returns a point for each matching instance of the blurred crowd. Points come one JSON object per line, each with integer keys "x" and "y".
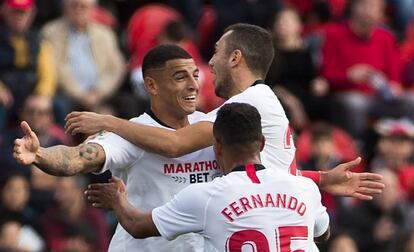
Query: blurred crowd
{"x": 343, "y": 70}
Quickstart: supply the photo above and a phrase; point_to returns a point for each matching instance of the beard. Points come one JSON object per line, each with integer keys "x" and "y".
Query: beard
{"x": 224, "y": 86}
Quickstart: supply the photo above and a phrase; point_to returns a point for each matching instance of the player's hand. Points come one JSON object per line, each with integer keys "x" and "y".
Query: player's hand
{"x": 107, "y": 195}
{"x": 341, "y": 181}
{"x": 25, "y": 148}
{"x": 85, "y": 122}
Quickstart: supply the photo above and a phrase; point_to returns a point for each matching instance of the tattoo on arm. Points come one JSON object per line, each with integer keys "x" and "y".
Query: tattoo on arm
{"x": 66, "y": 161}
{"x": 88, "y": 152}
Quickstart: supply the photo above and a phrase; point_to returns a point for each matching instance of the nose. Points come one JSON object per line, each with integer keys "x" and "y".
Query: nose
{"x": 211, "y": 62}
{"x": 193, "y": 83}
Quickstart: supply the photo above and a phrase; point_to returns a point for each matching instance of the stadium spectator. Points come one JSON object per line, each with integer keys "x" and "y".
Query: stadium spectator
{"x": 342, "y": 242}
{"x": 38, "y": 111}
{"x": 395, "y": 151}
{"x": 10, "y": 230}
{"x": 26, "y": 64}
{"x": 70, "y": 210}
{"x": 90, "y": 65}
{"x": 15, "y": 194}
{"x": 406, "y": 242}
{"x": 360, "y": 61}
{"x": 293, "y": 73}
{"x": 376, "y": 224}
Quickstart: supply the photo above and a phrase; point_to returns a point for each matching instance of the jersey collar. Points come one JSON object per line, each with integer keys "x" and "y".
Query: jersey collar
{"x": 153, "y": 116}
{"x": 257, "y": 82}
{"x": 257, "y": 167}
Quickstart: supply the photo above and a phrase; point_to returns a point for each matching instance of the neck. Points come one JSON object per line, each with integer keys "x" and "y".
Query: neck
{"x": 79, "y": 28}
{"x": 169, "y": 118}
{"x": 361, "y": 29}
{"x": 243, "y": 80}
{"x": 290, "y": 43}
{"x": 235, "y": 160}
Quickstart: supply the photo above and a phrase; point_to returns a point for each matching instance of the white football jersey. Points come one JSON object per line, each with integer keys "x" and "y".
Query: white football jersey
{"x": 279, "y": 149}
{"x": 267, "y": 210}
{"x": 152, "y": 180}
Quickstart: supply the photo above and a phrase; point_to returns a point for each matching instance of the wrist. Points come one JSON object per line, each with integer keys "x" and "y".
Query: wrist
{"x": 38, "y": 157}
{"x": 324, "y": 179}
{"x": 108, "y": 123}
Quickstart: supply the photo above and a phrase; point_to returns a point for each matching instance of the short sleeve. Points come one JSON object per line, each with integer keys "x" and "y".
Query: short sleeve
{"x": 321, "y": 216}
{"x": 211, "y": 116}
{"x": 120, "y": 154}
{"x": 185, "y": 213}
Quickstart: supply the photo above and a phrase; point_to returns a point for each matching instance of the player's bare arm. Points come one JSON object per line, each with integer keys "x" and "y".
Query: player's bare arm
{"x": 161, "y": 141}
{"x": 57, "y": 160}
{"x": 113, "y": 196}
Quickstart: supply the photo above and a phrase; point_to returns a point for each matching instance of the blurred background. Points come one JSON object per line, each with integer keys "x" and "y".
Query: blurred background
{"x": 343, "y": 70}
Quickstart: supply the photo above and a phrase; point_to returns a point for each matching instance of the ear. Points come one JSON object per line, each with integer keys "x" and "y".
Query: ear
{"x": 235, "y": 58}
{"x": 151, "y": 86}
{"x": 262, "y": 144}
{"x": 218, "y": 147}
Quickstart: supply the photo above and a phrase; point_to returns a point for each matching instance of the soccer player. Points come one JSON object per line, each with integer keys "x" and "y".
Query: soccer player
{"x": 252, "y": 206}
{"x": 171, "y": 81}
{"x": 241, "y": 61}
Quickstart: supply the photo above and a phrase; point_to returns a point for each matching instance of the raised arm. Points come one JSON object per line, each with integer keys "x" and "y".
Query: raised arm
{"x": 57, "y": 160}
{"x": 113, "y": 196}
{"x": 161, "y": 141}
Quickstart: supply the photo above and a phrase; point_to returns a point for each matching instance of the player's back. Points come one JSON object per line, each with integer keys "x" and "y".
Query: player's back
{"x": 277, "y": 213}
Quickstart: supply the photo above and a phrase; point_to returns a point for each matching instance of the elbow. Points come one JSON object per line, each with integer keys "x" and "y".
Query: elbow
{"x": 172, "y": 148}
{"x": 139, "y": 233}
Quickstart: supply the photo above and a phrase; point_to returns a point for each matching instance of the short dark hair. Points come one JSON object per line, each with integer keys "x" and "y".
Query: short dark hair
{"x": 256, "y": 45}
{"x": 159, "y": 55}
{"x": 238, "y": 125}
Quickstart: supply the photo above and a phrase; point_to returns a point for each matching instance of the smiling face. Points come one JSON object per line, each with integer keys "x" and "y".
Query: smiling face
{"x": 176, "y": 87}
{"x": 219, "y": 66}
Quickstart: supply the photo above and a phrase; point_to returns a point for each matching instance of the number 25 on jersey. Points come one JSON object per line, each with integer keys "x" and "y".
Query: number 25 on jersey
{"x": 256, "y": 241}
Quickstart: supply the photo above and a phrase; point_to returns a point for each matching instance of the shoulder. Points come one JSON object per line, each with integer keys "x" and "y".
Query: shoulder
{"x": 253, "y": 94}
{"x": 386, "y": 34}
{"x": 100, "y": 30}
{"x": 196, "y": 117}
{"x": 298, "y": 182}
{"x": 54, "y": 26}
{"x": 143, "y": 119}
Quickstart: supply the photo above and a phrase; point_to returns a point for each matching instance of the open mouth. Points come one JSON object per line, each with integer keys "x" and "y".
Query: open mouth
{"x": 190, "y": 98}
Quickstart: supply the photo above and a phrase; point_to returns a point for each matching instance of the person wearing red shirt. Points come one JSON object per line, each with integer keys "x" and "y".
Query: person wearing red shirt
{"x": 360, "y": 61}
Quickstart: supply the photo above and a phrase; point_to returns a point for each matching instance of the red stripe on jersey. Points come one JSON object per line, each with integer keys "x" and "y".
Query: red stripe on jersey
{"x": 251, "y": 173}
{"x": 292, "y": 167}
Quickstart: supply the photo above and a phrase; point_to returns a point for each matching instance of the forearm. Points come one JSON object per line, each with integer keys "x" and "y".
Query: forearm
{"x": 161, "y": 141}
{"x": 146, "y": 137}
{"x": 136, "y": 223}
{"x": 62, "y": 160}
